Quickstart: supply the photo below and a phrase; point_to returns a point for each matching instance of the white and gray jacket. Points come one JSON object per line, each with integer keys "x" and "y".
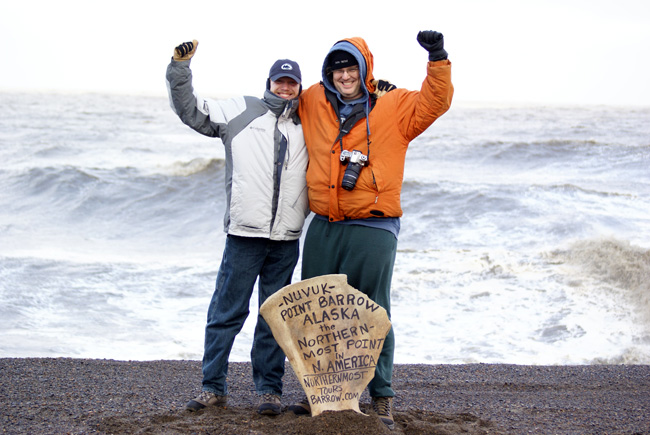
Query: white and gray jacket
{"x": 266, "y": 157}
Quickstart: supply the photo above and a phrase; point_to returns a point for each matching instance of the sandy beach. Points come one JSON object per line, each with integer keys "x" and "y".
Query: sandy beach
{"x": 77, "y": 396}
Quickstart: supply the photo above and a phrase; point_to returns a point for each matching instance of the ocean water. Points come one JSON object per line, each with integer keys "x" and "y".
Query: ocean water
{"x": 525, "y": 237}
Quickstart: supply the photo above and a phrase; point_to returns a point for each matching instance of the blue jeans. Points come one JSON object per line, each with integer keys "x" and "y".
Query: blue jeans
{"x": 244, "y": 259}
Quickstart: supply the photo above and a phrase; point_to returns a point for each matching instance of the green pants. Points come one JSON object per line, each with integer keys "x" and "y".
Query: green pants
{"x": 367, "y": 256}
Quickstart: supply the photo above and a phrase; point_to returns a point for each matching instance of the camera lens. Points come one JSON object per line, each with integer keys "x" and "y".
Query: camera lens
{"x": 350, "y": 176}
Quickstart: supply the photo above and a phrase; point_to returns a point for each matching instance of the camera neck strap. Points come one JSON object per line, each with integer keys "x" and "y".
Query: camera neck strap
{"x": 357, "y": 113}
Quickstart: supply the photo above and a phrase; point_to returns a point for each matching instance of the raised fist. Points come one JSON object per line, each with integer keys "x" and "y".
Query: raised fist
{"x": 186, "y": 50}
{"x": 433, "y": 42}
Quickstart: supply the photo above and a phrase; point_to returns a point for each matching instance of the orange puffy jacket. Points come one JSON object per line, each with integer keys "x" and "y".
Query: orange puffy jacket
{"x": 397, "y": 118}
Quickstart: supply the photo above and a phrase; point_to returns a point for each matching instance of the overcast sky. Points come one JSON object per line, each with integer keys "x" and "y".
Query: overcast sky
{"x": 502, "y": 51}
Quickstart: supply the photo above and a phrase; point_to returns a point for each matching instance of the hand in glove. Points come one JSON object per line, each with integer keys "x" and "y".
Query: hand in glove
{"x": 186, "y": 50}
{"x": 433, "y": 42}
{"x": 382, "y": 86}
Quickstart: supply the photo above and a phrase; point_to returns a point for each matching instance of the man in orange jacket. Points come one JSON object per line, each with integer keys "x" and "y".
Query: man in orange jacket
{"x": 357, "y": 146}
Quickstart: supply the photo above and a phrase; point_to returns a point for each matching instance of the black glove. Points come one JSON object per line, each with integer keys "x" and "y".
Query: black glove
{"x": 382, "y": 86}
{"x": 433, "y": 42}
{"x": 186, "y": 50}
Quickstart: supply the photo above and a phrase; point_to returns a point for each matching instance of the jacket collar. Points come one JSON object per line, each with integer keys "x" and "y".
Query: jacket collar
{"x": 280, "y": 107}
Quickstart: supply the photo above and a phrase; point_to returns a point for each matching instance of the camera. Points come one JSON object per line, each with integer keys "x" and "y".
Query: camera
{"x": 354, "y": 160}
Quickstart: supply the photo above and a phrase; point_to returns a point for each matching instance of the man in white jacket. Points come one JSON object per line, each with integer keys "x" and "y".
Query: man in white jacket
{"x": 266, "y": 193}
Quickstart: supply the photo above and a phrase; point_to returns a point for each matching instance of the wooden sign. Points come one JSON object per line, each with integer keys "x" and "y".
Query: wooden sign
{"x": 332, "y": 335}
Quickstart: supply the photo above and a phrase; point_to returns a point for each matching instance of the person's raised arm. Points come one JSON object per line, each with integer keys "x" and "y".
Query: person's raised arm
{"x": 436, "y": 93}
{"x": 190, "y": 108}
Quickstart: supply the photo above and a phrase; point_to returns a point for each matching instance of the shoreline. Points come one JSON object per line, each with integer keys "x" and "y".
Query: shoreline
{"x": 65, "y": 395}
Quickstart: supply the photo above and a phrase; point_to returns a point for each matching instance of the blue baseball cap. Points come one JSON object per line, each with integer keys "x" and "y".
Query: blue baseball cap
{"x": 285, "y": 68}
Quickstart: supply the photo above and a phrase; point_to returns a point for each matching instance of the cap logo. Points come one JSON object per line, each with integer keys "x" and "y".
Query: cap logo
{"x": 286, "y": 67}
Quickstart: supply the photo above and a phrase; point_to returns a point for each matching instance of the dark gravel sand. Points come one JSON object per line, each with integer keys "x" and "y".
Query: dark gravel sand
{"x": 60, "y": 395}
